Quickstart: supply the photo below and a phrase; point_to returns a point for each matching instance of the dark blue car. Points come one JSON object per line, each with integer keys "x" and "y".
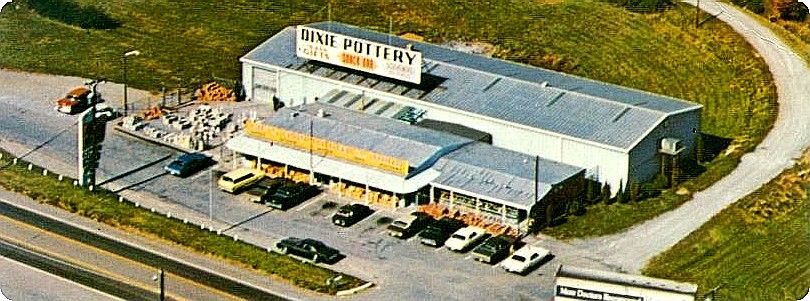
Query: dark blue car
{"x": 188, "y": 164}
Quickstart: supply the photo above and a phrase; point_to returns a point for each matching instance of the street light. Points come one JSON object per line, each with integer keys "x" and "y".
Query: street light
{"x": 160, "y": 277}
{"x": 127, "y": 54}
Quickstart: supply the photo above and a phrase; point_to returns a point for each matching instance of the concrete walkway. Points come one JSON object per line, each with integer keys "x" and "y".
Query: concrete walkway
{"x": 632, "y": 249}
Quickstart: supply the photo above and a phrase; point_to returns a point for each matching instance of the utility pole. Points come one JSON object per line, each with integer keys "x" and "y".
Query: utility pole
{"x": 311, "y": 167}
{"x": 697, "y": 14}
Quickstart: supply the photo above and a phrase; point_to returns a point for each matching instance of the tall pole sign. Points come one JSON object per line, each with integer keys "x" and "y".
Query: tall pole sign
{"x": 91, "y": 134}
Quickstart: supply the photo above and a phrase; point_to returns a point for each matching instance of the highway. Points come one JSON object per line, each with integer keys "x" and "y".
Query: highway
{"x": 75, "y": 273}
{"x": 144, "y": 257}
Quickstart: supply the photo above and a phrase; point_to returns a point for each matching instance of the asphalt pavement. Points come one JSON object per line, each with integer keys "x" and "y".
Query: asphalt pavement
{"x": 22, "y": 282}
{"x": 404, "y": 270}
{"x": 632, "y": 249}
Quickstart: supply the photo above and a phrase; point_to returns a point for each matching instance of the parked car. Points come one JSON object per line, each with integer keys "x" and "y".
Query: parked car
{"x": 260, "y": 191}
{"x": 524, "y": 259}
{"x": 437, "y": 232}
{"x": 77, "y": 100}
{"x": 410, "y": 225}
{"x": 308, "y": 248}
{"x": 289, "y": 194}
{"x": 465, "y": 238}
{"x": 239, "y": 179}
{"x": 494, "y": 249}
{"x": 188, "y": 164}
{"x": 348, "y": 215}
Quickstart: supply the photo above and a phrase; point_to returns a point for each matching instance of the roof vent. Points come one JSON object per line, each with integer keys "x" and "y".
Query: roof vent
{"x": 322, "y": 113}
{"x": 544, "y": 84}
{"x": 293, "y": 114}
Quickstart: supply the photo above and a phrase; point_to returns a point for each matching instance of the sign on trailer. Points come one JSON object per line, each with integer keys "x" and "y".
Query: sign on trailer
{"x": 359, "y": 54}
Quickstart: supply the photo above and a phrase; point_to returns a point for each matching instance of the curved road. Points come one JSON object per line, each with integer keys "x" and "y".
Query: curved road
{"x": 632, "y": 249}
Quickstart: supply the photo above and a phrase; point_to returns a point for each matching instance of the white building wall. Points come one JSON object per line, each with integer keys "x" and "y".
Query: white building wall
{"x": 646, "y": 161}
{"x": 603, "y": 164}
{"x": 618, "y": 289}
{"x": 606, "y": 165}
{"x": 247, "y": 79}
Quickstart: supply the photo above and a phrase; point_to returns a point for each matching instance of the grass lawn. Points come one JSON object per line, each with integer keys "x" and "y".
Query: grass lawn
{"x": 103, "y": 206}
{"x": 757, "y": 249}
{"x": 186, "y": 42}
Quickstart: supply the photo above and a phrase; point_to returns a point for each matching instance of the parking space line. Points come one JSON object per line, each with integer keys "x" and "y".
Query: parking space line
{"x": 304, "y": 205}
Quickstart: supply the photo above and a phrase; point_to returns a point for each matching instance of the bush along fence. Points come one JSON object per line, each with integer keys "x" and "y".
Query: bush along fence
{"x": 107, "y": 207}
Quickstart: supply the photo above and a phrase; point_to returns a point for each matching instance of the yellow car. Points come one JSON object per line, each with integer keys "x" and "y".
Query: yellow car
{"x": 238, "y": 179}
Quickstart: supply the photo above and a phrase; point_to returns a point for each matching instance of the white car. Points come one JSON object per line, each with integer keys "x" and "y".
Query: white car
{"x": 525, "y": 258}
{"x": 465, "y": 238}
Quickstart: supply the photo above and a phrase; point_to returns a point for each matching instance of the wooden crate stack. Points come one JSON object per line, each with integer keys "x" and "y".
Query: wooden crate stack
{"x": 213, "y": 91}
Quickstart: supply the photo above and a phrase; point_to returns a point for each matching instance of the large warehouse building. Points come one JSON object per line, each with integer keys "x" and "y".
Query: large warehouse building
{"x": 394, "y": 164}
{"x": 615, "y": 134}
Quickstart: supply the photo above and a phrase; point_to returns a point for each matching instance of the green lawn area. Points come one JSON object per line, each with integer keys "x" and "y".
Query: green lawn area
{"x": 757, "y": 248}
{"x": 103, "y": 206}
{"x": 187, "y": 42}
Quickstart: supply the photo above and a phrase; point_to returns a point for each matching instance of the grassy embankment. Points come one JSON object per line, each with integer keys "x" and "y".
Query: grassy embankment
{"x": 757, "y": 248}
{"x": 188, "y": 42}
{"x": 103, "y": 206}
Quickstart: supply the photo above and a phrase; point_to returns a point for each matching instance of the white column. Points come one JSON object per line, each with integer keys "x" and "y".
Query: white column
{"x": 432, "y": 192}
{"x": 367, "y": 194}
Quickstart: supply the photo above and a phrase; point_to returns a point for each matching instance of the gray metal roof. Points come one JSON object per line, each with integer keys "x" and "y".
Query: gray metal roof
{"x": 556, "y": 102}
{"x": 501, "y": 174}
{"x": 627, "y": 279}
{"x": 369, "y": 132}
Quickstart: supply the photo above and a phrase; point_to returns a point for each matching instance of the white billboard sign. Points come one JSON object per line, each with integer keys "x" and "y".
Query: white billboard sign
{"x": 359, "y": 54}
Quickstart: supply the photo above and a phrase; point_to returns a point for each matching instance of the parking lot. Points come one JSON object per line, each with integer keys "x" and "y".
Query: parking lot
{"x": 402, "y": 268}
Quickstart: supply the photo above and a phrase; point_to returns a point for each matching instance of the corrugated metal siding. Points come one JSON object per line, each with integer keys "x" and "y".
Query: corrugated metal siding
{"x": 373, "y": 133}
{"x": 501, "y": 174}
{"x": 596, "y": 112}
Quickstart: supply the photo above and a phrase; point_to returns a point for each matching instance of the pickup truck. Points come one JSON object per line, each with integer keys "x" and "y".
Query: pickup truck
{"x": 259, "y": 192}
{"x": 308, "y": 248}
{"x": 494, "y": 249}
{"x": 410, "y": 225}
{"x": 437, "y": 232}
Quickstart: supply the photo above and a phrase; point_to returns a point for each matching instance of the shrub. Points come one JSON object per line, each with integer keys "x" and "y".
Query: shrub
{"x": 644, "y": 6}
{"x": 756, "y": 6}
{"x": 71, "y": 13}
{"x": 791, "y": 10}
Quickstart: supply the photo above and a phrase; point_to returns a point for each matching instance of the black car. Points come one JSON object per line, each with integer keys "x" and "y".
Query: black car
{"x": 410, "y": 225}
{"x": 437, "y": 232}
{"x": 494, "y": 249}
{"x": 348, "y": 215}
{"x": 187, "y": 164}
{"x": 289, "y": 194}
{"x": 308, "y": 248}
